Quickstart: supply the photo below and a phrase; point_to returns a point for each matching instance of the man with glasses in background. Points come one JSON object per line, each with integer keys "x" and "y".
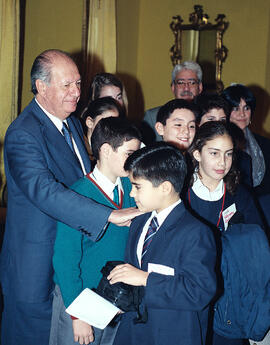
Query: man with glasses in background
{"x": 186, "y": 84}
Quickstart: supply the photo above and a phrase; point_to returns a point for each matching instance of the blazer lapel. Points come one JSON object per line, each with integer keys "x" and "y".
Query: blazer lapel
{"x": 135, "y": 234}
{"x": 59, "y": 146}
{"x": 160, "y": 237}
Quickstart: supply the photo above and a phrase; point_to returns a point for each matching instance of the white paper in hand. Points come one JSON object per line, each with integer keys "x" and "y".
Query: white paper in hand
{"x": 93, "y": 309}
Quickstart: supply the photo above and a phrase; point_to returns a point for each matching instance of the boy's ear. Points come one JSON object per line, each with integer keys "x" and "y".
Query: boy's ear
{"x": 89, "y": 122}
{"x": 166, "y": 187}
{"x": 159, "y": 128}
{"x": 197, "y": 155}
{"x": 105, "y": 150}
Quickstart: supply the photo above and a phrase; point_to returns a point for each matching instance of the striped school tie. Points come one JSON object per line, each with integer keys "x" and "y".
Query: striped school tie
{"x": 152, "y": 229}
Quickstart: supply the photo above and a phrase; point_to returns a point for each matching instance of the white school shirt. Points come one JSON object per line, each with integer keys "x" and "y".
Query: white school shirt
{"x": 204, "y": 193}
{"x": 105, "y": 184}
{"x": 59, "y": 125}
{"x": 161, "y": 216}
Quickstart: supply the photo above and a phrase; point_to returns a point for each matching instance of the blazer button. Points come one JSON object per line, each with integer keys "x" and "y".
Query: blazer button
{"x": 229, "y": 322}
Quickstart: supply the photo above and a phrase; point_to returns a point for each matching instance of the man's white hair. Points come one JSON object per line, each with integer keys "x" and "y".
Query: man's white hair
{"x": 189, "y": 65}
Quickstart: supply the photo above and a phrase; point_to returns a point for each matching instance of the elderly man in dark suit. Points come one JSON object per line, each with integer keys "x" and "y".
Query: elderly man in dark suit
{"x": 44, "y": 154}
{"x": 186, "y": 84}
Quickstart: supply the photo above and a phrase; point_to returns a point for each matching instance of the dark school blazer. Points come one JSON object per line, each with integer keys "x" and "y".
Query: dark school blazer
{"x": 177, "y": 304}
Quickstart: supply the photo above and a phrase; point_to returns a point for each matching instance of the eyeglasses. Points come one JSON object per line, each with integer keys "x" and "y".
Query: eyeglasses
{"x": 182, "y": 83}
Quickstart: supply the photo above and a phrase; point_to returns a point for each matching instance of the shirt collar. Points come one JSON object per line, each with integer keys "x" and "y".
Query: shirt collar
{"x": 56, "y": 121}
{"x": 106, "y": 185}
{"x": 162, "y": 215}
{"x": 203, "y": 192}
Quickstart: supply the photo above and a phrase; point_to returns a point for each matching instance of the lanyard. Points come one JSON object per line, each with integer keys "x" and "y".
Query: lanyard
{"x": 222, "y": 207}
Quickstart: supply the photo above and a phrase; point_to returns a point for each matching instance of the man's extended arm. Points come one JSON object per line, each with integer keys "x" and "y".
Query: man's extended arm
{"x": 31, "y": 174}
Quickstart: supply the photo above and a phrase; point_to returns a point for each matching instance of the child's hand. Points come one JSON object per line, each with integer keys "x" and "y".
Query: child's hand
{"x": 83, "y": 333}
{"x": 128, "y": 274}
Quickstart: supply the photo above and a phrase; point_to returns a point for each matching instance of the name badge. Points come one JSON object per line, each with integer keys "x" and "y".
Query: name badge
{"x": 227, "y": 215}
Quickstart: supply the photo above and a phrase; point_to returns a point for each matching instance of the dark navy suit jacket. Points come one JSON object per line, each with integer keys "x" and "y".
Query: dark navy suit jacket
{"x": 177, "y": 305}
{"x": 39, "y": 167}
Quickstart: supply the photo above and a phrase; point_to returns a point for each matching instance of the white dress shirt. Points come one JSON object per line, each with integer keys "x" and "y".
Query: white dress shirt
{"x": 204, "y": 193}
{"x": 105, "y": 184}
{"x": 161, "y": 216}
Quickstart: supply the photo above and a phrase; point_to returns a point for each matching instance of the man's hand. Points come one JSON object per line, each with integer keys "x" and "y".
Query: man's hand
{"x": 124, "y": 216}
{"x": 128, "y": 274}
{"x": 83, "y": 333}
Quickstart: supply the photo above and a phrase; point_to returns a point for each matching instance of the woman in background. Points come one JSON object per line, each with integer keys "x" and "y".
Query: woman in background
{"x": 243, "y": 105}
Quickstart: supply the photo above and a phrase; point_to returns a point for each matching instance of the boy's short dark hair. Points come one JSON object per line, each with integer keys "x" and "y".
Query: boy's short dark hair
{"x": 158, "y": 163}
{"x": 206, "y": 103}
{"x": 113, "y": 131}
{"x": 167, "y": 109}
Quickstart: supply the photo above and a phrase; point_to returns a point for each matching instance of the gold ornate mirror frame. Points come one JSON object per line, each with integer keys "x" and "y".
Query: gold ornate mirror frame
{"x": 202, "y": 42}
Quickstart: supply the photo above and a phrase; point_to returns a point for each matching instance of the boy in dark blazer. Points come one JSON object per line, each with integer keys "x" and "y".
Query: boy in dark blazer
{"x": 169, "y": 253}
